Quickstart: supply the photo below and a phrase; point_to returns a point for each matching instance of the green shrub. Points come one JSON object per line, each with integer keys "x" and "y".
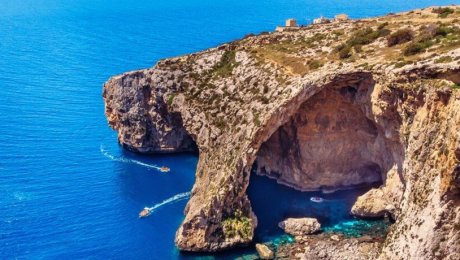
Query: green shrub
{"x": 226, "y": 64}
{"x": 257, "y": 120}
{"x": 430, "y": 35}
{"x": 265, "y": 89}
{"x": 314, "y": 64}
{"x": 382, "y": 25}
{"x": 418, "y": 46}
{"x": 443, "y": 12}
{"x": 363, "y": 37}
{"x": 345, "y": 53}
{"x": 237, "y": 225}
{"x": 358, "y": 39}
{"x": 400, "y": 36}
{"x": 443, "y": 31}
{"x": 220, "y": 123}
{"x": 444, "y": 59}
{"x": 171, "y": 99}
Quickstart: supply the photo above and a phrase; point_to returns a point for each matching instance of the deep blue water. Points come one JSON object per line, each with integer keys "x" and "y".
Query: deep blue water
{"x": 67, "y": 190}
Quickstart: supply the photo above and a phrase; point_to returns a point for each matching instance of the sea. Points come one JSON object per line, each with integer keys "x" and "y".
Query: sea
{"x": 67, "y": 189}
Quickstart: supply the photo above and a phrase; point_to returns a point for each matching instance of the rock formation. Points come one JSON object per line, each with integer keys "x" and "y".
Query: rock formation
{"x": 325, "y": 107}
{"x": 264, "y": 251}
{"x": 324, "y": 246}
{"x": 300, "y": 226}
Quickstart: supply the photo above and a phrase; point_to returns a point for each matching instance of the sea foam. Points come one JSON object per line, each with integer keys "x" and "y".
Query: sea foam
{"x": 126, "y": 160}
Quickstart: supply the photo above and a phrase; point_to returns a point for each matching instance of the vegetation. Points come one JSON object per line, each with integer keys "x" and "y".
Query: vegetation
{"x": 443, "y": 12}
{"x": 401, "y": 64}
{"x": 314, "y": 64}
{"x": 431, "y": 35}
{"x": 344, "y": 51}
{"x": 171, "y": 99}
{"x": 360, "y": 38}
{"x": 257, "y": 120}
{"x": 400, "y": 36}
{"x": 418, "y": 46}
{"x": 279, "y": 53}
{"x": 220, "y": 123}
{"x": 226, "y": 64}
{"x": 366, "y": 36}
{"x": 237, "y": 225}
{"x": 444, "y": 59}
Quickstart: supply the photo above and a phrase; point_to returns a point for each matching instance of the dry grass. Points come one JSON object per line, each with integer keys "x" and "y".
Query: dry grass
{"x": 293, "y": 65}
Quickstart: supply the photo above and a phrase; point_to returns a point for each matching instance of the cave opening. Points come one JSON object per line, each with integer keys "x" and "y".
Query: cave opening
{"x": 329, "y": 148}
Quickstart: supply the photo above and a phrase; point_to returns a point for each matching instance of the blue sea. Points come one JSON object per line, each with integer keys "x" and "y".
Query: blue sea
{"x": 67, "y": 190}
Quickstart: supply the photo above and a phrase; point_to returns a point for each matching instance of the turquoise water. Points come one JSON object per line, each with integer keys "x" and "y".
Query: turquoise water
{"x": 273, "y": 203}
{"x": 67, "y": 190}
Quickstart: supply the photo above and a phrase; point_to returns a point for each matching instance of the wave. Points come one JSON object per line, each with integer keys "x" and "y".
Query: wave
{"x": 173, "y": 199}
{"x": 126, "y": 160}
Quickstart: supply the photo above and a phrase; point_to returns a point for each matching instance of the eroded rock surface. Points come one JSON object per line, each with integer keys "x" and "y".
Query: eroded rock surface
{"x": 300, "y": 226}
{"x": 329, "y": 134}
{"x": 264, "y": 251}
{"x": 330, "y": 121}
{"x": 324, "y": 247}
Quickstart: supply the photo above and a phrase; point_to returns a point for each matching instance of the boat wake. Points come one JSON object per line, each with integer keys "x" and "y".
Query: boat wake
{"x": 321, "y": 200}
{"x": 173, "y": 199}
{"x": 126, "y": 160}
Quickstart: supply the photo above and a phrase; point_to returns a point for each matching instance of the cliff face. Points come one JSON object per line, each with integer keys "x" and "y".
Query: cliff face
{"x": 141, "y": 117}
{"x": 314, "y": 110}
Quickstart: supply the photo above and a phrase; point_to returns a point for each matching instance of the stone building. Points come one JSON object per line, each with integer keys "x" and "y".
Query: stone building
{"x": 341, "y": 18}
{"x": 321, "y": 20}
{"x": 291, "y": 23}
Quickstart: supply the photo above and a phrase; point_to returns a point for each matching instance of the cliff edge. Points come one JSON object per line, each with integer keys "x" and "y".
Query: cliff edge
{"x": 324, "y": 107}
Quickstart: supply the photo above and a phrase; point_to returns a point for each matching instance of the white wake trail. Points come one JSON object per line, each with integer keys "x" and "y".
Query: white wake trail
{"x": 126, "y": 160}
{"x": 173, "y": 199}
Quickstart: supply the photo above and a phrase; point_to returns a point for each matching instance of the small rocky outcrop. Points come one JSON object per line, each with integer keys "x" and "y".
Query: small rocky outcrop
{"x": 372, "y": 204}
{"x": 324, "y": 107}
{"x": 264, "y": 251}
{"x": 300, "y": 226}
{"x": 142, "y": 120}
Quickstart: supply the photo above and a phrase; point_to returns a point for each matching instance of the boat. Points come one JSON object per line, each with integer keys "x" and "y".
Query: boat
{"x": 144, "y": 213}
{"x": 317, "y": 199}
{"x": 164, "y": 169}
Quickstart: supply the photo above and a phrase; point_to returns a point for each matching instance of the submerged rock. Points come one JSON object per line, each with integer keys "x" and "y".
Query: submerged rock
{"x": 264, "y": 251}
{"x": 300, "y": 226}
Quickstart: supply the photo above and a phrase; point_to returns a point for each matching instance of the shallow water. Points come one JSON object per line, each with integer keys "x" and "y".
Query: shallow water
{"x": 61, "y": 195}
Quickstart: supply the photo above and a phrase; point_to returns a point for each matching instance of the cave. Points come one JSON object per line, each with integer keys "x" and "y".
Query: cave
{"x": 329, "y": 147}
{"x": 330, "y": 143}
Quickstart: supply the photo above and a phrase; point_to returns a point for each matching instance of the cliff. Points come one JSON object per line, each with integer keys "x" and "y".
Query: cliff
{"x": 324, "y": 107}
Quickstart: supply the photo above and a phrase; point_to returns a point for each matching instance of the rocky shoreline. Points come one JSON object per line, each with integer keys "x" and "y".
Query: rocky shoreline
{"x": 323, "y": 107}
{"x": 310, "y": 242}
{"x": 331, "y": 247}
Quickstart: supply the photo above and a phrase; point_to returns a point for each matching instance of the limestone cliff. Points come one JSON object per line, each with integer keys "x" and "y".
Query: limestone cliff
{"x": 322, "y": 107}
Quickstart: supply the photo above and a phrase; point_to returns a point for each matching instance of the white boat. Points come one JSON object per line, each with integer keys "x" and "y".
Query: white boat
{"x": 144, "y": 213}
{"x": 164, "y": 169}
{"x": 317, "y": 199}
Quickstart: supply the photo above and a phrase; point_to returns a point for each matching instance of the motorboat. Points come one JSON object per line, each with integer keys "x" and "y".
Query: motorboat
{"x": 317, "y": 199}
{"x": 144, "y": 213}
{"x": 164, "y": 169}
